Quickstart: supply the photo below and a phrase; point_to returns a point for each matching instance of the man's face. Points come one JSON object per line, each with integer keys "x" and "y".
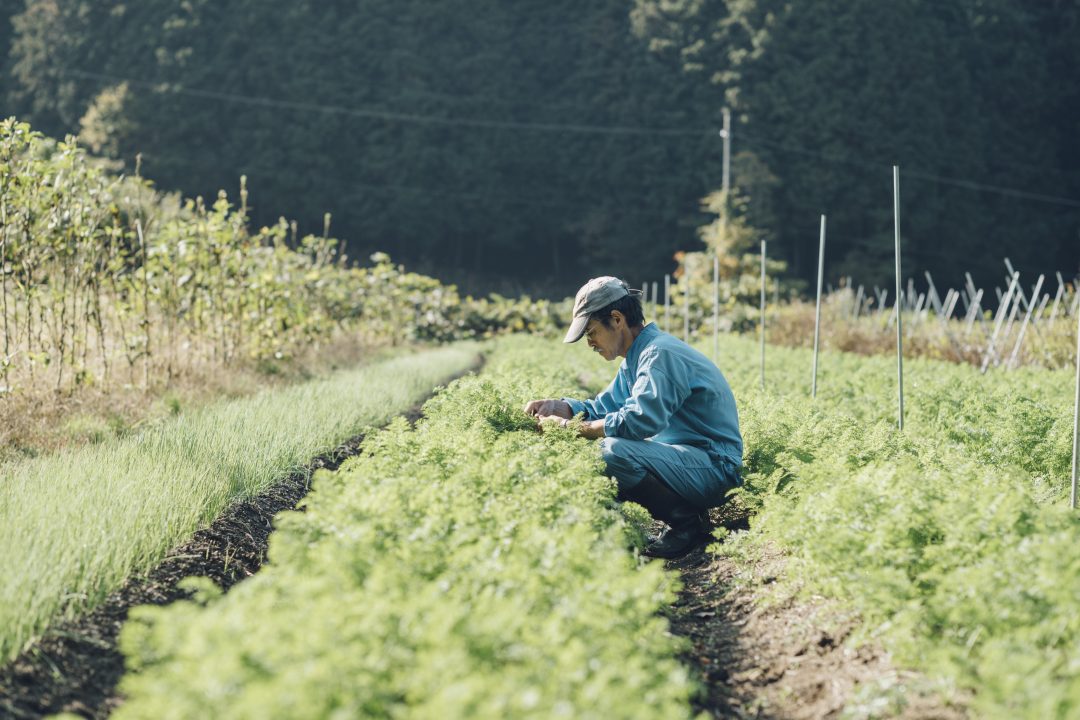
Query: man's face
{"x": 603, "y": 339}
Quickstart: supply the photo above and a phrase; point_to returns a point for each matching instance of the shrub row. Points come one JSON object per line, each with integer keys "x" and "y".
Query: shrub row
{"x": 105, "y": 280}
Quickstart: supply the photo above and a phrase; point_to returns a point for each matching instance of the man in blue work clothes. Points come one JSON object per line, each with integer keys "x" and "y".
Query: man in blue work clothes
{"x": 668, "y": 424}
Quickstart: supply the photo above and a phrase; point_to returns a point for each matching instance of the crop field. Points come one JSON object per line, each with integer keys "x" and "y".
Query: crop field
{"x": 469, "y": 568}
{"x": 472, "y": 567}
{"x": 75, "y": 525}
{"x": 286, "y": 411}
{"x": 952, "y": 539}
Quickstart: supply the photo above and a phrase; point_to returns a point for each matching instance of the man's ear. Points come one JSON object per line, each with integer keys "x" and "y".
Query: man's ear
{"x": 617, "y": 315}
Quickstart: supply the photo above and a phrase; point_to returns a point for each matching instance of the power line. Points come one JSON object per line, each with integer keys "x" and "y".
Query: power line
{"x": 944, "y": 180}
{"x": 570, "y": 127}
{"x": 399, "y": 116}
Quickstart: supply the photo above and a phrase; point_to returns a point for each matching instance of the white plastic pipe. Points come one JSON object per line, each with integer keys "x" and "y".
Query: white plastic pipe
{"x": 817, "y": 312}
{"x": 716, "y": 309}
{"x": 899, "y": 314}
{"x": 1076, "y": 413}
{"x": 763, "y": 315}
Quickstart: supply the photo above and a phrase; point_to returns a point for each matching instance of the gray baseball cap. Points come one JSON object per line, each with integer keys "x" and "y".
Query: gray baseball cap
{"x": 594, "y": 295}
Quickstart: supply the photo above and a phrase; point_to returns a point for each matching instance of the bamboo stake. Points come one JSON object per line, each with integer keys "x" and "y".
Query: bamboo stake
{"x": 932, "y": 293}
{"x": 1006, "y": 301}
{"x": 1057, "y": 297}
{"x": 817, "y": 312}
{"x": 973, "y": 310}
{"x": 1023, "y": 326}
{"x": 858, "y": 304}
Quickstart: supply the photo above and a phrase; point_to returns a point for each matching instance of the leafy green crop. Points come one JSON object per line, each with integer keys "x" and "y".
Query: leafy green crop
{"x": 952, "y": 539}
{"x": 76, "y": 525}
{"x": 468, "y": 568}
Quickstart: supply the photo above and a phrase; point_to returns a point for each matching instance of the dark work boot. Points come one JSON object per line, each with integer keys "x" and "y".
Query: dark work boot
{"x": 688, "y": 525}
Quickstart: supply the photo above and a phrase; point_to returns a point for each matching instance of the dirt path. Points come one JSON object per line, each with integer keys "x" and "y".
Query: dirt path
{"x": 756, "y": 659}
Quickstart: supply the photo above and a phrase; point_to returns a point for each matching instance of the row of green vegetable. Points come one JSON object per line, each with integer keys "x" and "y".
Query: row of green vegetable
{"x": 74, "y": 526}
{"x": 470, "y": 567}
{"x": 475, "y": 568}
{"x": 952, "y": 539}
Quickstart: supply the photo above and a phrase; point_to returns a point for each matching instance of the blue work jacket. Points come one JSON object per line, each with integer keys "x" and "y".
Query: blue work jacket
{"x": 668, "y": 392}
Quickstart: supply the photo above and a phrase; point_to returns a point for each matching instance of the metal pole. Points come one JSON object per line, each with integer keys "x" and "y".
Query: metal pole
{"x": 667, "y": 302}
{"x": 763, "y": 315}
{"x": 899, "y": 322}
{"x": 817, "y": 312}
{"x": 686, "y": 302}
{"x": 655, "y": 300}
{"x": 1076, "y": 414}
{"x": 716, "y": 309}
{"x": 726, "y": 135}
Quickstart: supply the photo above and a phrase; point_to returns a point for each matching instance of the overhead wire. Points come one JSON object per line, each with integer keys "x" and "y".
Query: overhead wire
{"x": 416, "y": 118}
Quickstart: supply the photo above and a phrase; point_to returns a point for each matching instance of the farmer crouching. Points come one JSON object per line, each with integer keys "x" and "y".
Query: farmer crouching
{"x": 668, "y": 422}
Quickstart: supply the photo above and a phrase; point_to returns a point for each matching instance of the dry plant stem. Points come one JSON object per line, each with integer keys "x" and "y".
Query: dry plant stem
{"x": 3, "y": 281}
{"x": 146, "y": 307}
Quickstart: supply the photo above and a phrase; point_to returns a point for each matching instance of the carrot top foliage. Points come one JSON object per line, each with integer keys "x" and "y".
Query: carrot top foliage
{"x": 953, "y": 539}
{"x": 468, "y": 568}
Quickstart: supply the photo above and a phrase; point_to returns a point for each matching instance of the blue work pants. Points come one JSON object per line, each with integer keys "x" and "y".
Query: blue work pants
{"x": 689, "y": 471}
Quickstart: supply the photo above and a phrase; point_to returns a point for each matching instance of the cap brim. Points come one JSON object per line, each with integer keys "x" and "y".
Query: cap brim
{"x": 577, "y": 329}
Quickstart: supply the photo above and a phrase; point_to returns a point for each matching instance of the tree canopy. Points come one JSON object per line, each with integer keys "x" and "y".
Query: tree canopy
{"x": 527, "y": 145}
{"x": 965, "y": 96}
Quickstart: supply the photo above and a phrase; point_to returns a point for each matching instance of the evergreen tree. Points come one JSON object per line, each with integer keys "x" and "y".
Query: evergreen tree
{"x": 830, "y": 94}
{"x": 435, "y": 167}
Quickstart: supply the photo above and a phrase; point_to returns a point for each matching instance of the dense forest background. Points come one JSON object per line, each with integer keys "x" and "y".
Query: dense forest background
{"x": 526, "y": 145}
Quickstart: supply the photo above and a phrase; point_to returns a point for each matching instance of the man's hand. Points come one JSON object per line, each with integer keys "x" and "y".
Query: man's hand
{"x": 546, "y": 422}
{"x": 546, "y": 408}
{"x": 591, "y": 429}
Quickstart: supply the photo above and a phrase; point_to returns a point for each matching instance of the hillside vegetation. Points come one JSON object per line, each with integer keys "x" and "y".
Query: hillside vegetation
{"x": 529, "y": 144}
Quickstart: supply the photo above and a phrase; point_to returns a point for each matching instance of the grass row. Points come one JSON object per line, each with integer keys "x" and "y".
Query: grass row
{"x": 468, "y": 568}
{"x": 75, "y": 525}
{"x": 952, "y": 539}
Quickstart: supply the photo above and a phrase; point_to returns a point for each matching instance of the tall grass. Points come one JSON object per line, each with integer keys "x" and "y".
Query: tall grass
{"x": 74, "y": 526}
